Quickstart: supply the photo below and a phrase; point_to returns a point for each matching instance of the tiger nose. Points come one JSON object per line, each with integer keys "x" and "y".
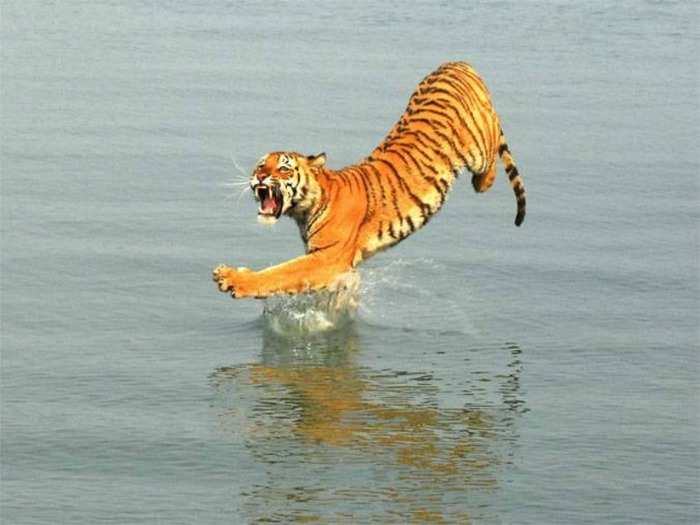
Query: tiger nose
{"x": 260, "y": 176}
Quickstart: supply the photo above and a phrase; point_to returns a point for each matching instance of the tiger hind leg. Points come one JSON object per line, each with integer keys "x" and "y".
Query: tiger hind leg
{"x": 483, "y": 181}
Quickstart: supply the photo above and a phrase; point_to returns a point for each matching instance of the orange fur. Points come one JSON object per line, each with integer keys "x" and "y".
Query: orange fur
{"x": 347, "y": 215}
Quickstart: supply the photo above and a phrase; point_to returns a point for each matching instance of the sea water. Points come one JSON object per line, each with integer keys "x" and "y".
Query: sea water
{"x": 490, "y": 374}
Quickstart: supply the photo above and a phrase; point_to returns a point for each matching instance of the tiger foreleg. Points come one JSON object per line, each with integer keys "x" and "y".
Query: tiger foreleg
{"x": 307, "y": 273}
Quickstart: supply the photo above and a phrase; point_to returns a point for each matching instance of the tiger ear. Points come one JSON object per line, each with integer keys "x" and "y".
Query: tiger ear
{"x": 317, "y": 161}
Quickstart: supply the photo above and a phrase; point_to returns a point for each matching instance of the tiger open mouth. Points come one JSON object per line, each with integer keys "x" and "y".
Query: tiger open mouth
{"x": 271, "y": 200}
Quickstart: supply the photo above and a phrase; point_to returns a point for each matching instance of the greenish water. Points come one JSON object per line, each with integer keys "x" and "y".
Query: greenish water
{"x": 543, "y": 374}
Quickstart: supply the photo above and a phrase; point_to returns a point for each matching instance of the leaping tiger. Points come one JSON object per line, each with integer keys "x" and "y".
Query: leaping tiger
{"x": 347, "y": 215}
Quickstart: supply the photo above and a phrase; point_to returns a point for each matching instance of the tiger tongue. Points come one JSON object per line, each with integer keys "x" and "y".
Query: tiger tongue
{"x": 268, "y": 205}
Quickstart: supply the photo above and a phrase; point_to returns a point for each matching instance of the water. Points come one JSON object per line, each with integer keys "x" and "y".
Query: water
{"x": 546, "y": 374}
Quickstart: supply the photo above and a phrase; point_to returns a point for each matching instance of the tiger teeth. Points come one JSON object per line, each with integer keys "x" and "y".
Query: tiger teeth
{"x": 261, "y": 192}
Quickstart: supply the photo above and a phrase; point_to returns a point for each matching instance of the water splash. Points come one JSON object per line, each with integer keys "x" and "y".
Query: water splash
{"x": 314, "y": 311}
{"x": 393, "y": 294}
{"x": 393, "y": 282}
{"x": 406, "y": 292}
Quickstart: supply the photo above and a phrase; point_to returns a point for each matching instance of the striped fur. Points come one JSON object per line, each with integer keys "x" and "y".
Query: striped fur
{"x": 347, "y": 215}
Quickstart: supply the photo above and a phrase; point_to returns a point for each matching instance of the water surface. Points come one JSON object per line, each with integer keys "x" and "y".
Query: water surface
{"x": 543, "y": 374}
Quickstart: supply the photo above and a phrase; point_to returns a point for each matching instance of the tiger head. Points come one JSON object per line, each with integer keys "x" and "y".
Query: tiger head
{"x": 285, "y": 182}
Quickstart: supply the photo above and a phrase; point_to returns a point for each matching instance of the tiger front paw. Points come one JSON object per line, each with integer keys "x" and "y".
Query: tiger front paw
{"x": 231, "y": 280}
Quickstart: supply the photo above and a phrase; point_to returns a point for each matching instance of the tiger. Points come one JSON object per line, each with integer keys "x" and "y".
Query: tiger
{"x": 345, "y": 216}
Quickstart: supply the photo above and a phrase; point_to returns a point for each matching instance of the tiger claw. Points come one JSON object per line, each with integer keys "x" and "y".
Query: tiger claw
{"x": 232, "y": 280}
{"x": 219, "y": 277}
{"x": 216, "y": 273}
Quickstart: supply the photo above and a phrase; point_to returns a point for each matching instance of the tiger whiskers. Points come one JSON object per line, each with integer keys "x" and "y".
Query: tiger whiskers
{"x": 241, "y": 180}
{"x": 236, "y": 184}
{"x": 243, "y": 185}
{"x": 238, "y": 166}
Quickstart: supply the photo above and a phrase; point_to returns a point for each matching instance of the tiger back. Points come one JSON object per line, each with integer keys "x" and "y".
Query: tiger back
{"x": 449, "y": 126}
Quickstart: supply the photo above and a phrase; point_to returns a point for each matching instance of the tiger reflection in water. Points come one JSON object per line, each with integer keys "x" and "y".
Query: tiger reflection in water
{"x": 309, "y": 399}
